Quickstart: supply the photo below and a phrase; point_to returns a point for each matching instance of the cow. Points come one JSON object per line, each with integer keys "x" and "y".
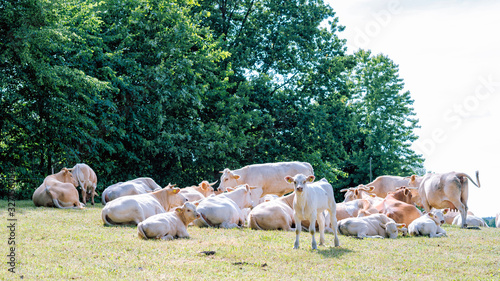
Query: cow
{"x": 170, "y": 225}
{"x": 472, "y": 221}
{"x": 275, "y": 214}
{"x": 397, "y": 206}
{"x": 225, "y": 210}
{"x": 58, "y": 190}
{"x": 448, "y": 190}
{"x": 428, "y": 224}
{"x": 87, "y": 180}
{"x": 497, "y": 221}
{"x": 351, "y": 209}
{"x": 267, "y": 198}
{"x": 361, "y": 192}
{"x": 268, "y": 178}
{"x": 132, "y": 209}
{"x": 385, "y": 184}
{"x": 372, "y": 226}
{"x": 311, "y": 199}
{"x": 131, "y": 187}
{"x": 449, "y": 215}
{"x": 196, "y": 193}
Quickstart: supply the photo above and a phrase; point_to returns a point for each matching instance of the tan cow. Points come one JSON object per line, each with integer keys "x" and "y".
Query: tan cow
{"x": 372, "y": 226}
{"x": 385, "y": 184}
{"x": 449, "y": 215}
{"x": 397, "y": 206}
{"x": 428, "y": 224}
{"x": 275, "y": 214}
{"x": 268, "y": 178}
{"x": 361, "y": 192}
{"x": 225, "y": 210}
{"x": 133, "y": 209}
{"x": 449, "y": 190}
{"x": 87, "y": 180}
{"x": 131, "y": 187}
{"x": 311, "y": 199}
{"x": 351, "y": 209}
{"x": 196, "y": 193}
{"x": 170, "y": 225}
{"x": 58, "y": 190}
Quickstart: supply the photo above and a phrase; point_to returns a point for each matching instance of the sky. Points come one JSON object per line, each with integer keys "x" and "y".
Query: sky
{"x": 448, "y": 54}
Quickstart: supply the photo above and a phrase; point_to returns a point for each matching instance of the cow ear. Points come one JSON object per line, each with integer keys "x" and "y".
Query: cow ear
{"x": 196, "y": 203}
{"x": 400, "y": 225}
{"x": 289, "y": 179}
{"x": 310, "y": 178}
{"x": 445, "y": 211}
{"x": 413, "y": 177}
{"x": 373, "y": 195}
{"x": 431, "y": 215}
{"x": 234, "y": 176}
{"x": 176, "y": 190}
{"x": 371, "y": 188}
{"x": 178, "y": 210}
{"x": 382, "y": 225}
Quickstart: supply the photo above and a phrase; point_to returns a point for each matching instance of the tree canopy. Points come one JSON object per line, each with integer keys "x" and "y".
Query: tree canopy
{"x": 179, "y": 90}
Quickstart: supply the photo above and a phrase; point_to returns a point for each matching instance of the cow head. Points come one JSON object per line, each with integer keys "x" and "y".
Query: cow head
{"x": 402, "y": 194}
{"x": 67, "y": 176}
{"x": 206, "y": 188}
{"x": 299, "y": 181}
{"x": 228, "y": 179}
{"x": 437, "y": 217}
{"x": 392, "y": 228}
{"x": 353, "y": 193}
{"x": 188, "y": 211}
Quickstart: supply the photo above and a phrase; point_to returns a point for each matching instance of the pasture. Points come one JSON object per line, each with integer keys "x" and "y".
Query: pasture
{"x": 74, "y": 245}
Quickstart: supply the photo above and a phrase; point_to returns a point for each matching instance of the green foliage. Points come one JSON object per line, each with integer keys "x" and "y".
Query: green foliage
{"x": 179, "y": 90}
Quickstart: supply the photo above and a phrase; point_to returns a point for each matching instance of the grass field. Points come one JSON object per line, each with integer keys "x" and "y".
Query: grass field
{"x": 74, "y": 245}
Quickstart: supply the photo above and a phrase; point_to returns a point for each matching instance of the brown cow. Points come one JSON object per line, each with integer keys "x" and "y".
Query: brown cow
{"x": 58, "y": 190}
{"x": 397, "y": 206}
{"x": 449, "y": 190}
{"x": 87, "y": 180}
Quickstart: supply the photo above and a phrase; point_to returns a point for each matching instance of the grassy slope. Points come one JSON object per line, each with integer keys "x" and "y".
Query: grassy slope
{"x": 73, "y": 244}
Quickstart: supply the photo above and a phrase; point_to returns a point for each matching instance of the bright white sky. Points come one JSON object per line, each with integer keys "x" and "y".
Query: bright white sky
{"x": 448, "y": 54}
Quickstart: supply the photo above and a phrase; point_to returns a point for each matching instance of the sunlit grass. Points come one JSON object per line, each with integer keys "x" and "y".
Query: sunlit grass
{"x": 74, "y": 244}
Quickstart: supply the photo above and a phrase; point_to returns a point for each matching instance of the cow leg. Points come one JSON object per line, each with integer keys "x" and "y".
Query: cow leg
{"x": 333, "y": 224}
{"x": 321, "y": 224}
{"x": 84, "y": 194}
{"x": 298, "y": 228}
{"x": 167, "y": 237}
{"x": 312, "y": 230}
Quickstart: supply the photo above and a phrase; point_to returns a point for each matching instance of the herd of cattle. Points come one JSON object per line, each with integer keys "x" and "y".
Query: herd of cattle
{"x": 273, "y": 196}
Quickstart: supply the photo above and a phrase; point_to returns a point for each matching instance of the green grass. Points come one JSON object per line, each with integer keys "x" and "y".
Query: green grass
{"x": 74, "y": 245}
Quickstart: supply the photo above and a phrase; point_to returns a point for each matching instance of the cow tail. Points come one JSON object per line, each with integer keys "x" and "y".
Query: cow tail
{"x": 104, "y": 195}
{"x": 461, "y": 175}
{"x": 104, "y": 215}
{"x": 140, "y": 231}
{"x": 252, "y": 223}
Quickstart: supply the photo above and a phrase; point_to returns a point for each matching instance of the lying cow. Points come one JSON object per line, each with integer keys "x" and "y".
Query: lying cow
{"x": 196, "y": 193}
{"x": 372, "y": 226}
{"x": 428, "y": 225}
{"x": 311, "y": 199}
{"x": 361, "y": 192}
{"x": 170, "y": 225}
{"x": 131, "y": 187}
{"x": 472, "y": 220}
{"x": 58, "y": 190}
{"x": 449, "y": 215}
{"x": 225, "y": 210}
{"x": 87, "y": 180}
{"x": 268, "y": 178}
{"x": 133, "y": 209}
{"x": 449, "y": 190}
{"x": 275, "y": 214}
{"x": 397, "y": 206}
{"x": 351, "y": 209}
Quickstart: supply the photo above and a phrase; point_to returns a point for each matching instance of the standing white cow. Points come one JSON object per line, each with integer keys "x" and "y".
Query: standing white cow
{"x": 449, "y": 190}
{"x": 428, "y": 224}
{"x": 87, "y": 180}
{"x": 311, "y": 199}
{"x": 497, "y": 220}
{"x": 267, "y": 178}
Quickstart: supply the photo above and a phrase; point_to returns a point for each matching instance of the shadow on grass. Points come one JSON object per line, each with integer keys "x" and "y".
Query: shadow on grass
{"x": 333, "y": 252}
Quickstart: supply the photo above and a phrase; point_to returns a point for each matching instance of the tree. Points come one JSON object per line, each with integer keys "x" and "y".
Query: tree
{"x": 385, "y": 119}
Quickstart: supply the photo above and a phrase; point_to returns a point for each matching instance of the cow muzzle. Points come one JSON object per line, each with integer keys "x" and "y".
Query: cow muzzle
{"x": 300, "y": 189}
